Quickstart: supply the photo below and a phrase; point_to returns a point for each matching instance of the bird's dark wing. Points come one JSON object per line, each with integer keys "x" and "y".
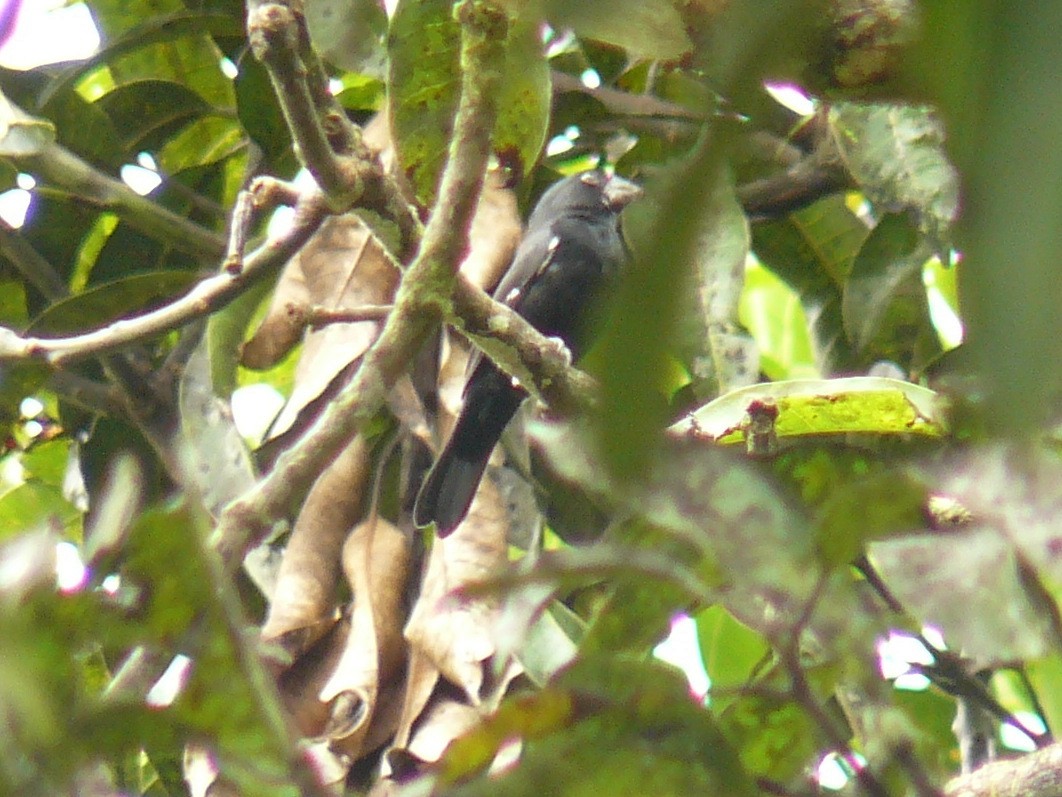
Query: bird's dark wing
{"x": 532, "y": 257}
{"x": 567, "y": 258}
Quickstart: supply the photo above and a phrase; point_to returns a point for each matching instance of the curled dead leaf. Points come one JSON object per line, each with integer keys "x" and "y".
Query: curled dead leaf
{"x": 343, "y": 267}
{"x": 304, "y": 601}
{"x": 496, "y": 230}
{"x": 442, "y": 721}
{"x": 456, "y": 635}
{"x": 376, "y": 562}
{"x": 300, "y": 685}
{"x": 346, "y": 711}
{"x": 421, "y": 680}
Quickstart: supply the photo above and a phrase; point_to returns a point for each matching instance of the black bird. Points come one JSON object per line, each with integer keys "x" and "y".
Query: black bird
{"x": 571, "y": 252}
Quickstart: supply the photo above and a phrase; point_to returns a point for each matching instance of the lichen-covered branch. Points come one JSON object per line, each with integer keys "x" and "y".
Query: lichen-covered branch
{"x": 329, "y": 145}
{"x": 1037, "y": 774}
{"x": 420, "y": 305}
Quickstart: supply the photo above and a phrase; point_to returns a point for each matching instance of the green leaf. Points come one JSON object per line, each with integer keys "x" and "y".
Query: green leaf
{"x": 811, "y": 407}
{"x": 621, "y": 727}
{"x": 35, "y": 504}
{"x": 47, "y": 462}
{"x": 204, "y": 141}
{"x": 896, "y": 155}
{"x": 715, "y": 354}
{"x": 990, "y": 78}
{"x": 651, "y": 29}
{"x": 226, "y": 331}
{"x": 637, "y": 341}
{"x": 261, "y": 117}
{"x": 774, "y": 316}
{"x": 114, "y": 252}
{"x": 425, "y": 81}
{"x": 885, "y": 309}
{"x": 350, "y": 34}
{"x": 172, "y": 44}
{"x": 875, "y": 506}
{"x": 813, "y": 251}
{"x": 968, "y": 584}
{"x": 775, "y": 738}
{"x": 13, "y": 312}
{"x": 1046, "y": 677}
{"x": 990, "y": 583}
{"x": 218, "y": 459}
{"x": 523, "y": 98}
{"x": 18, "y": 380}
{"x": 21, "y": 134}
{"x": 931, "y": 713}
{"x": 49, "y": 214}
{"x": 107, "y": 303}
{"x": 85, "y": 129}
{"x": 731, "y": 652}
{"x": 148, "y": 112}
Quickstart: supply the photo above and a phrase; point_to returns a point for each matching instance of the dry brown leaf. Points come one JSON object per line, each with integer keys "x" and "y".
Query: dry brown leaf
{"x": 495, "y": 232}
{"x": 300, "y": 685}
{"x": 330, "y": 769}
{"x": 455, "y": 634}
{"x": 443, "y": 721}
{"x": 407, "y": 407}
{"x": 380, "y": 727}
{"x": 376, "y": 562}
{"x": 284, "y": 323}
{"x": 421, "y": 679}
{"x": 305, "y": 595}
{"x": 344, "y": 267}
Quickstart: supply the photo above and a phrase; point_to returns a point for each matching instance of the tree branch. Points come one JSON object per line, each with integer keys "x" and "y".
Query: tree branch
{"x": 422, "y": 299}
{"x": 1037, "y": 774}
{"x": 329, "y": 145}
{"x": 274, "y": 30}
{"x": 86, "y": 393}
{"x": 811, "y": 178}
{"x": 59, "y": 167}
{"x": 538, "y": 362}
{"x": 207, "y": 296}
{"x": 624, "y": 103}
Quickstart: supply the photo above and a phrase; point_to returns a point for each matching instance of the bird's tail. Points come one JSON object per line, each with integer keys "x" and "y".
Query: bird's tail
{"x": 450, "y": 485}
{"x": 448, "y": 490}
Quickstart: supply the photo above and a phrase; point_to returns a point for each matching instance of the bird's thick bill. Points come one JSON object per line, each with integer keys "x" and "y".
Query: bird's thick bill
{"x": 620, "y": 192}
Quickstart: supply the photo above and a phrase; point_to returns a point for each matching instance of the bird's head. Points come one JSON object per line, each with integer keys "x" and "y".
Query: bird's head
{"x": 586, "y": 194}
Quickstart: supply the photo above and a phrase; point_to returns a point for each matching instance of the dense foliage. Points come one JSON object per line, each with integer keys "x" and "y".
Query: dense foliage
{"x": 219, "y": 394}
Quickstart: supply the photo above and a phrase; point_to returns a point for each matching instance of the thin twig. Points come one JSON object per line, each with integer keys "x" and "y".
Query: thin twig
{"x": 58, "y": 167}
{"x": 204, "y": 298}
{"x": 273, "y": 31}
{"x": 624, "y": 103}
{"x": 815, "y": 176}
{"x": 948, "y": 671}
{"x": 317, "y": 317}
{"x": 86, "y": 393}
{"x": 30, "y": 264}
{"x": 529, "y": 351}
{"x": 1037, "y": 774}
{"x": 243, "y": 214}
{"x": 801, "y": 691}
